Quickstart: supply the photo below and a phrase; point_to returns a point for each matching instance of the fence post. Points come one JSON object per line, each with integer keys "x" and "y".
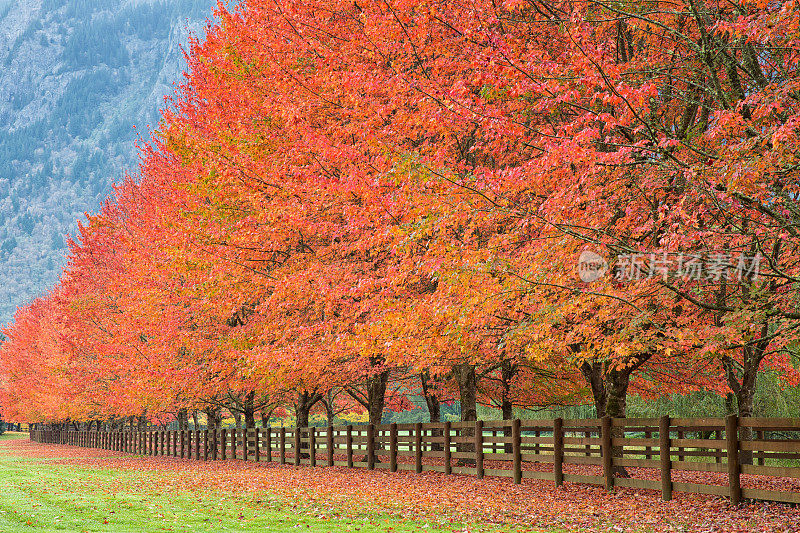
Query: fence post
{"x": 558, "y": 451}
{"x": 448, "y": 467}
{"x": 223, "y": 444}
{"x": 257, "y": 449}
{"x": 393, "y": 447}
{"x": 516, "y": 449}
{"x": 297, "y": 446}
{"x": 760, "y": 454}
{"x": 587, "y": 448}
{"x": 681, "y": 457}
{"x": 664, "y": 450}
{"x": 215, "y": 444}
{"x": 234, "y": 436}
{"x": 349, "y": 444}
{"x": 196, "y": 444}
{"x": 245, "y": 443}
{"x": 418, "y": 447}
{"x": 329, "y": 444}
{"x": 732, "y": 436}
{"x": 479, "y": 449}
{"x": 283, "y": 445}
{"x": 608, "y": 471}
{"x": 312, "y": 446}
{"x": 371, "y": 446}
{"x": 269, "y": 444}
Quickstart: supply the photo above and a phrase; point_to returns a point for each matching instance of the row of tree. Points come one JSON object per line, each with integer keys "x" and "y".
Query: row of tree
{"x": 511, "y": 203}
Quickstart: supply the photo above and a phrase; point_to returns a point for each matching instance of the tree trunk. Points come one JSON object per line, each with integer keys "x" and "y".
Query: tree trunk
{"x": 507, "y": 372}
{"x": 265, "y": 419}
{"x": 214, "y": 417}
{"x": 183, "y": 419}
{"x": 195, "y": 421}
{"x": 743, "y": 384}
{"x": 237, "y": 417}
{"x": 249, "y": 410}
{"x": 593, "y": 374}
{"x": 610, "y": 393}
{"x": 328, "y": 403}
{"x": 305, "y": 401}
{"x": 375, "y": 397}
{"x": 617, "y": 382}
{"x": 467, "y": 381}
{"x": 434, "y": 407}
{"x": 376, "y": 390}
{"x": 431, "y": 399}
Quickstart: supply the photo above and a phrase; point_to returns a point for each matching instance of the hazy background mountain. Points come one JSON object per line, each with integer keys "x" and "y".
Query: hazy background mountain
{"x": 76, "y": 76}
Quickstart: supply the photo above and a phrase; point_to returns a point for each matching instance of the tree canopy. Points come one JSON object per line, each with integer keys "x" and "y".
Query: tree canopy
{"x": 356, "y": 201}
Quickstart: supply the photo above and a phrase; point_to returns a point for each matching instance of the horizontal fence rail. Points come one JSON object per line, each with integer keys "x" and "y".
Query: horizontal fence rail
{"x": 740, "y": 458}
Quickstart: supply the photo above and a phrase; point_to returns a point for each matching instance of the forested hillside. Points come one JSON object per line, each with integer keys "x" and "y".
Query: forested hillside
{"x": 77, "y": 78}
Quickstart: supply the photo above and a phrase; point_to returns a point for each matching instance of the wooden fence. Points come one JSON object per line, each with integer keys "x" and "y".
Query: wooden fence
{"x": 747, "y": 458}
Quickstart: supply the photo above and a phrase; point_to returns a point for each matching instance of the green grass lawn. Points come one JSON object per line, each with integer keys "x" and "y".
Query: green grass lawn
{"x": 39, "y": 494}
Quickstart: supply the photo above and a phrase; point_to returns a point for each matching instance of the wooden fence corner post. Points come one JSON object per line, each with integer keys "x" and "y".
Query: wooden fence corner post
{"x": 393, "y": 447}
{"x": 418, "y": 447}
{"x": 608, "y": 459}
{"x": 664, "y": 450}
{"x": 516, "y": 448}
{"x": 558, "y": 451}
{"x": 479, "y": 449}
{"x": 734, "y": 471}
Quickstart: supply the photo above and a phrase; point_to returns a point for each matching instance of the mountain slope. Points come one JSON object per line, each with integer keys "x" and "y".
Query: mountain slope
{"x": 77, "y": 77}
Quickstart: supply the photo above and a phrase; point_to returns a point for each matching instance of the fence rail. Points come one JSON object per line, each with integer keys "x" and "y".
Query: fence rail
{"x": 747, "y": 458}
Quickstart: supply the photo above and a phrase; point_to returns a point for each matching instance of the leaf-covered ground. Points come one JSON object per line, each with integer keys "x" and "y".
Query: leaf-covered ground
{"x": 335, "y": 499}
